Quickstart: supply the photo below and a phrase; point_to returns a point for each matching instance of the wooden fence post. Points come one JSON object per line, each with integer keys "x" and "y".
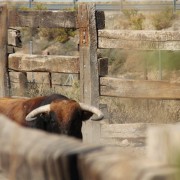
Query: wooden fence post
{"x": 89, "y": 75}
{"x": 3, "y": 51}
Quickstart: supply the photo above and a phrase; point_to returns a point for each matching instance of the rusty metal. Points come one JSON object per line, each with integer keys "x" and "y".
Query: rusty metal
{"x": 83, "y": 38}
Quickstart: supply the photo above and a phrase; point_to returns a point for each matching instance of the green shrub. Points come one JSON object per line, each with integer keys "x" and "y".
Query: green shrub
{"x": 163, "y": 19}
{"x": 135, "y": 19}
{"x": 169, "y": 59}
{"x": 116, "y": 59}
{"x": 58, "y": 34}
{"x": 40, "y": 6}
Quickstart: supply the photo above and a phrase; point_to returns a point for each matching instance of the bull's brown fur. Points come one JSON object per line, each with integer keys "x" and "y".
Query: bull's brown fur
{"x": 55, "y": 113}
{"x": 64, "y": 109}
{"x": 17, "y": 109}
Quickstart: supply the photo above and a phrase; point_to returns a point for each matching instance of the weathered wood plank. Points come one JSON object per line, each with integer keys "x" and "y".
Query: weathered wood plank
{"x": 103, "y": 66}
{"x": 49, "y": 63}
{"x": 64, "y": 79}
{"x": 14, "y": 37}
{"x": 89, "y": 75}
{"x": 3, "y": 176}
{"x": 163, "y": 144}
{"x": 122, "y": 164}
{"x": 38, "y": 77}
{"x": 3, "y": 51}
{"x": 126, "y": 135}
{"x": 42, "y": 19}
{"x": 139, "y": 88}
{"x": 10, "y": 49}
{"x": 139, "y": 39}
{"x": 134, "y": 130}
{"x": 18, "y": 83}
{"x": 100, "y": 19}
{"x": 18, "y": 77}
{"x": 31, "y": 154}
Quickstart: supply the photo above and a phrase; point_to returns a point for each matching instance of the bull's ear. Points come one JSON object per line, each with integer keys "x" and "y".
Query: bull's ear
{"x": 86, "y": 115}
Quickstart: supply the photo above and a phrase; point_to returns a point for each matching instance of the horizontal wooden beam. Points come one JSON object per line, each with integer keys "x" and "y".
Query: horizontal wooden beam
{"x": 130, "y": 134}
{"x": 50, "y": 19}
{"x": 42, "y": 63}
{"x": 16, "y": 153}
{"x": 14, "y": 37}
{"x": 42, "y": 19}
{"x": 51, "y": 63}
{"x": 139, "y": 88}
{"x": 124, "y": 131}
{"x": 139, "y": 39}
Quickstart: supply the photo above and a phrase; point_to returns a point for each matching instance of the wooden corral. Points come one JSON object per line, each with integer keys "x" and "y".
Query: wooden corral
{"x": 30, "y": 154}
{"x": 94, "y": 81}
{"x": 139, "y": 89}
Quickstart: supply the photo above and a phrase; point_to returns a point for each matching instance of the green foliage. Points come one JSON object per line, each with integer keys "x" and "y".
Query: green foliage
{"x": 40, "y": 6}
{"x": 130, "y": 12}
{"x": 61, "y": 35}
{"x": 116, "y": 59}
{"x": 163, "y": 19}
{"x": 24, "y": 8}
{"x": 135, "y": 19}
{"x": 34, "y": 89}
{"x": 169, "y": 59}
{"x": 58, "y": 34}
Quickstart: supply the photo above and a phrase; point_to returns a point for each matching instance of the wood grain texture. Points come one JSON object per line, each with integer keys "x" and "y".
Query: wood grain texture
{"x": 89, "y": 74}
{"x": 163, "y": 144}
{"x": 42, "y": 19}
{"x": 139, "y": 39}
{"x": 139, "y": 88}
{"x": 42, "y": 63}
{"x": 3, "y": 52}
{"x": 31, "y": 154}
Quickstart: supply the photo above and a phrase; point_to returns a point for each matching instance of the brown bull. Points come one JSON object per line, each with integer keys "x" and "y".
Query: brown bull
{"x": 55, "y": 113}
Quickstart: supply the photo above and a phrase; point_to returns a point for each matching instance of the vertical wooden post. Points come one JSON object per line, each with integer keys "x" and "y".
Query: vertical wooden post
{"x": 3, "y": 51}
{"x": 89, "y": 75}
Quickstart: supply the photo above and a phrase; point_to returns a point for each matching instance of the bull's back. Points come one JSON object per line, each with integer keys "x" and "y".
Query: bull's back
{"x": 13, "y": 108}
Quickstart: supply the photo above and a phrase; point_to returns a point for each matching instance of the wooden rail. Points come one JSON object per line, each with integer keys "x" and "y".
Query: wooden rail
{"x": 43, "y": 19}
{"x": 31, "y": 154}
{"x": 139, "y": 88}
{"x": 139, "y": 39}
{"x": 40, "y": 63}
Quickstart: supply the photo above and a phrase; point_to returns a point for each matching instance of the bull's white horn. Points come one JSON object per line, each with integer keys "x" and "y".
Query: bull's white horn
{"x": 92, "y": 109}
{"x": 41, "y": 109}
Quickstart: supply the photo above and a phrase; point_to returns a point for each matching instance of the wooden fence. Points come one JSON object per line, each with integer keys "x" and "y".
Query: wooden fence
{"x": 30, "y": 154}
{"x": 92, "y": 36}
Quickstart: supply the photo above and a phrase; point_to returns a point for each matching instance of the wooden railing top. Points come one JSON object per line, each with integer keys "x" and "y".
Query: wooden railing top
{"x": 43, "y": 19}
{"x": 49, "y": 19}
{"x": 139, "y": 39}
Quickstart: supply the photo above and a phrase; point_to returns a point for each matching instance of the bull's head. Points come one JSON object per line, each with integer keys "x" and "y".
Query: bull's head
{"x": 67, "y": 116}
